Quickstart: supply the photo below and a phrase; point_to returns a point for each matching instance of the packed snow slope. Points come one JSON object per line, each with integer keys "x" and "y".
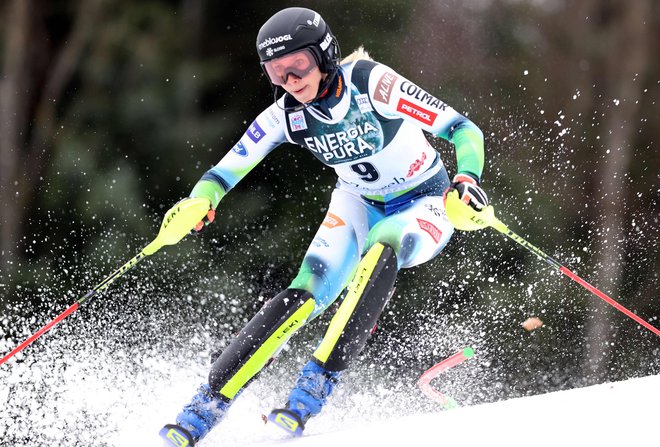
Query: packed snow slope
{"x": 102, "y": 397}
{"x": 114, "y": 373}
{"x": 613, "y": 414}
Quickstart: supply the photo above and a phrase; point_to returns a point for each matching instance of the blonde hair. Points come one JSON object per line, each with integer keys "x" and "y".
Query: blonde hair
{"x": 359, "y": 54}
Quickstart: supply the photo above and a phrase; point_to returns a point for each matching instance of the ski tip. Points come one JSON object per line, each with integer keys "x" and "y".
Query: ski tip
{"x": 287, "y": 420}
{"x": 176, "y": 436}
{"x": 468, "y": 352}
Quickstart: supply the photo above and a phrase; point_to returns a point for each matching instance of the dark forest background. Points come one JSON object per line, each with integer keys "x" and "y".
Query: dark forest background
{"x": 110, "y": 110}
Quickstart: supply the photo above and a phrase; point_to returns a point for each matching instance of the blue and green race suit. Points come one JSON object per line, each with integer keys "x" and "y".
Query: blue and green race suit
{"x": 369, "y": 127}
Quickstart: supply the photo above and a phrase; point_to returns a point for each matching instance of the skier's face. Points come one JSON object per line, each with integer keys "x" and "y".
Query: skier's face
{"x": 298, "y": 73}
{"x": 305, "y": 89}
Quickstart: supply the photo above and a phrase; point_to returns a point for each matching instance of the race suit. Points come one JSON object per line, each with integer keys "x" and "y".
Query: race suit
{"x": 368, "y": 127}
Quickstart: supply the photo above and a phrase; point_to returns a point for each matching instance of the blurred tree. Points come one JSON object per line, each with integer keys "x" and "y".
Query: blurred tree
{"x": 110, "y": 110}
{"x": 44, "y": 43}
{"x": 619, "y": 39}
{"x": 564, "y": 91}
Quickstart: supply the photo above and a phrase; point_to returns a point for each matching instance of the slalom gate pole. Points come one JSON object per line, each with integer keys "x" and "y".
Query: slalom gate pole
{"x": 174, "y": 227}
{"x": 466, "y": 218}
{"x": 425, "y": 379}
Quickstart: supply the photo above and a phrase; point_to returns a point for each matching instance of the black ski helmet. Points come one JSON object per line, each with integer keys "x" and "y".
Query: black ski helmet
{"x": 293, "y": 29}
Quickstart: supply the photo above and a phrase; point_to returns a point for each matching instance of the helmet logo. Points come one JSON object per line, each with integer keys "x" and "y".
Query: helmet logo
{"x": 316, "y": 21}
{"x": 326, "y": 42}
{"x": 269, "y": 52}
{"x": 273, "y": 40}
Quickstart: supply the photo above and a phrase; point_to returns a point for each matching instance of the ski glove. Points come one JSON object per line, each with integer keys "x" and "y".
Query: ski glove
{"x": 212, "y": 191}
{"x": 469, "y": 191}
{"x": 208, "y": 219}
{"x": 210, "y": 215}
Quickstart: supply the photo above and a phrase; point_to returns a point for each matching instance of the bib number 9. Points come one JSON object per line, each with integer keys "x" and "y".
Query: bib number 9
{"x": 366, "y": 171}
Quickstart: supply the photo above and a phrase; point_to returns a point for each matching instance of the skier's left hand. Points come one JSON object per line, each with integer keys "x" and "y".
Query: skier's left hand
{"x": 469, "y": 191}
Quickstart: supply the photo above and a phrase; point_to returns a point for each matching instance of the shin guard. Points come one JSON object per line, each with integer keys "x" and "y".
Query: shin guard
{"x": 259, "y": 341}
{"x": 366, "y": 298}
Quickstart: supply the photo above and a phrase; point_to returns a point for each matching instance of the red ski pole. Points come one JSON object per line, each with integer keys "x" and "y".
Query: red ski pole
{"x": 174, "y": 227}
{"x": 71, "y": 309}
{"x": 504, "y": 229}
{"x": 466, "y": 218}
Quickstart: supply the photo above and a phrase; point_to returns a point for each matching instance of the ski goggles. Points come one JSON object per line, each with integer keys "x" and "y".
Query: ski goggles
{"x": 299, "y": 64}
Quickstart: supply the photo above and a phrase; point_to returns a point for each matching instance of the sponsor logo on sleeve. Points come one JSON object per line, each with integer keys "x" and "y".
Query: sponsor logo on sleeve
{"x": 419, "y": 94}
{"x": 363, "y": 103}
{"x": 239, "y": 148}
{"x": 272, "y": 119}
{"x": 417, "y": 112}
{"x": 297, "y": 121}
{"x": 332, "y": 221}
{"x": 255, "y": 132}
{"x": 431, "y": 229}
{"x": 384, "y": 87}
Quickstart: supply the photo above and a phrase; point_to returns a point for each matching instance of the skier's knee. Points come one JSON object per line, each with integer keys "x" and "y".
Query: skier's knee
{"x": 322, "y": 280}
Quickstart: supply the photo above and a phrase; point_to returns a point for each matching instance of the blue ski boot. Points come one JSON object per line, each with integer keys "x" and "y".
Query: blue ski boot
{"x": 313, "y": 387}
{"x": 195, "y": 421}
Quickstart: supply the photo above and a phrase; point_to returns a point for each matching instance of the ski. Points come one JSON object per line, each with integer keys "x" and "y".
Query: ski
{"x": 176, "y": 436}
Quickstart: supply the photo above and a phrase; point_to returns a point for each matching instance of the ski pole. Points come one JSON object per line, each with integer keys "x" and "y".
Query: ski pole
{"x": 175, "y": 226}
{"x": 464, "y": 217}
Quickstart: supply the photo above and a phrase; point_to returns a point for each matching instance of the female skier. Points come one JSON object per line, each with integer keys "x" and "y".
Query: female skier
{"x": 386, "y": 212}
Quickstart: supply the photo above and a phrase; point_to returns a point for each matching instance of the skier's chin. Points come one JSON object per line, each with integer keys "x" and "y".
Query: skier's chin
{"x": 304, "y": 94}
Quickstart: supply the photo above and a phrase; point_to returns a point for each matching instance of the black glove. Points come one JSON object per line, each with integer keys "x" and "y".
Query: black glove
{"x": 469, "y": 191}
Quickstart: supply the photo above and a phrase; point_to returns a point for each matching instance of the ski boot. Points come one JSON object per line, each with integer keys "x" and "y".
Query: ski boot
{"x": 312, "y": 389}
{"x": 195, "y": 421}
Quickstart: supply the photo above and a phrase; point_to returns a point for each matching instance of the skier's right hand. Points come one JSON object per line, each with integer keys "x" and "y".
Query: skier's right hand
{"x": 208, "y": 219}
{"x": 212, "y": 191}
{"x": 178, "y": 209}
